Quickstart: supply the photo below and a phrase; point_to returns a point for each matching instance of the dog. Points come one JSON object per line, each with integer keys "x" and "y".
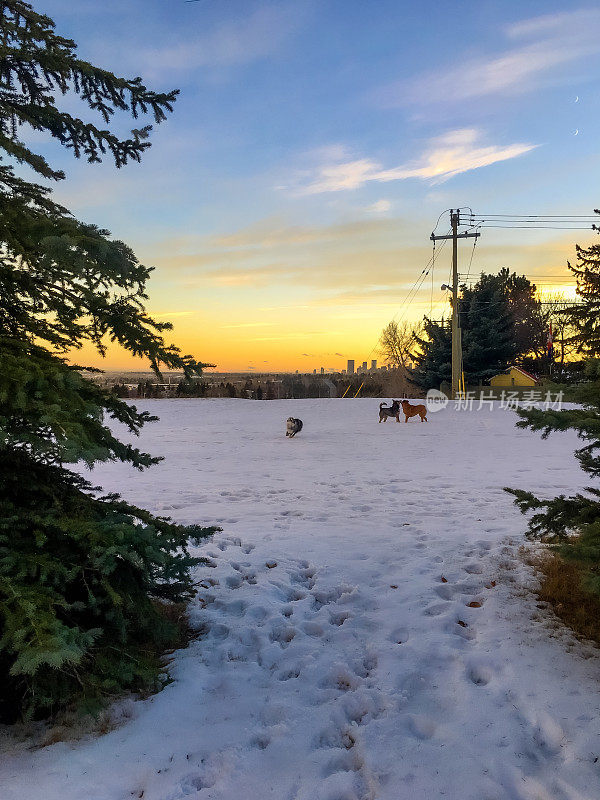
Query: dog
{"x": 389, "y": 411}
{"x": 293, "y": 427}
{"x": 413, "y": 411}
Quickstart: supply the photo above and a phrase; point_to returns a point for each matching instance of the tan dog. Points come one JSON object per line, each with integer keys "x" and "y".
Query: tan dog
{"x": 413, "y": 411}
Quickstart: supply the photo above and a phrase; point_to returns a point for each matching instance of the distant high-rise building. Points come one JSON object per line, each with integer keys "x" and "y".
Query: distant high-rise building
{"x": 322, "y": 370}
{"x": 374, "y": 364}
{"x": 350, "y": 368}
{"x": 314, "y": 371}
{"x": 365, "y": 365}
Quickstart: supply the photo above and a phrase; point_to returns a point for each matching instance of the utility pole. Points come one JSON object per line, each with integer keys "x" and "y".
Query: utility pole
{"x": 456, "y": 333}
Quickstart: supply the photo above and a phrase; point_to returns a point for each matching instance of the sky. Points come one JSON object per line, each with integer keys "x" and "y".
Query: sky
{"x": 288, "y": 201}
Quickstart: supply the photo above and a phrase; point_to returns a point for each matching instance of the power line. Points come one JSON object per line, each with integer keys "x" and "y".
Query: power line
{"x": 534, "y": 277}
{"x": 537, "y": 216}
{"x": 471, "y": 260}
{"x": 538, "y": 227}
{"x": 417, "y": 285}
{"x": 414, "y": 289}
{"x": 563, "y": 222}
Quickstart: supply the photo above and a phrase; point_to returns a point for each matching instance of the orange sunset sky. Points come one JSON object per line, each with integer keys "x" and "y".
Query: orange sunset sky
{"x": 287, "y": 202}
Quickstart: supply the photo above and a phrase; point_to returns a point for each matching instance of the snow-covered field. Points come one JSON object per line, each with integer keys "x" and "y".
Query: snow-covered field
{"x": 366, "y": 630}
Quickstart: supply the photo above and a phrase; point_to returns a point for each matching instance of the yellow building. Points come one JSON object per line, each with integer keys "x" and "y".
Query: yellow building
{"x": 515, "y": 376}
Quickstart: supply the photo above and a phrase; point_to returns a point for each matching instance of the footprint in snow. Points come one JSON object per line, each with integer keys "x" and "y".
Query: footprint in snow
{"x": 361, "y": 704}
{"x": 283, "y": 634}
{"x": 258, "y": 614}
{"x": 435, "y": 609}
{"x": 421, "y": 727}
{"x": 293, "y": 595}
{"x": 289, "y": 674}
{"x": 399, "y": 635}
{"x": 445, "y": 591}
{"x": 313, "y": 628}
{"x": 237, "y": 608}
{"x": 365, "y": 667}
{"x": 323, "y": 597}
{"x": 192, "y": 784}
{"x": 339, "y": 617}
{"x": 261, "y": 740}
{"x": 548, "y": 735}
{"x": 219, "y": 631}
{"x": 305, "y": 577}
{"x": 462, "y": 629}
{"x": 339, "y": 677}
{"x": 479, "y": 674}
{"x": 334, "y": 736}
{"x": 346, "y": 761}
{"x": 250, "y": 577}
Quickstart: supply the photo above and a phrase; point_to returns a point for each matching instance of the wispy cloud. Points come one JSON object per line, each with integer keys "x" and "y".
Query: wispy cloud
{"x": 243, "y": 276}
{"x": 273, "y": 232}
{"x": 379, "y": 207}
{"x": 255, "y": 36}
{"x": 171, "y": 314}
{"x": 445, "y": 156}
{"x": 537, "y": 48}
{"x": 250, "y": 325}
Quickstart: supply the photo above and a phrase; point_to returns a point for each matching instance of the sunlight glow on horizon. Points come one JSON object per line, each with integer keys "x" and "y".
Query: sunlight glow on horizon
{"x": 287, "y": 202}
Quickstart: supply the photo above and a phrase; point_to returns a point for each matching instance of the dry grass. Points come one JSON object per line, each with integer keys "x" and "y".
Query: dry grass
{"x": 561, "y": 587}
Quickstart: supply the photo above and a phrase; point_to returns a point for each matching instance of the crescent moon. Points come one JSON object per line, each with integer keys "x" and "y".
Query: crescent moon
{"x": 576, "y": 98}
{"x": 576, "y": 133}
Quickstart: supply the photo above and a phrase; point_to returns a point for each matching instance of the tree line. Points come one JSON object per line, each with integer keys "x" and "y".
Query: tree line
{"x": 289, "y": 387}
{"x": 503, "y": 322}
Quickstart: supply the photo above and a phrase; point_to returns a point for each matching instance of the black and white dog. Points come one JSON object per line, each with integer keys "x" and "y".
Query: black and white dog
{"x": 293, "y": 427}
{"x": 389, "y": 411}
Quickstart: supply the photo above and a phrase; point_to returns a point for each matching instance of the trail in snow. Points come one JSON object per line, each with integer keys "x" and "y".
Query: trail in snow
{"x": 364, "y": 630}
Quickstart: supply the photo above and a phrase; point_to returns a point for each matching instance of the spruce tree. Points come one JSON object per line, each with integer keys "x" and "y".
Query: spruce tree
{"x": 433, "y": 357}
{"x": 572, "y": 524}
{"x": 500, "y": 321}
{"x": 80, "y": 575}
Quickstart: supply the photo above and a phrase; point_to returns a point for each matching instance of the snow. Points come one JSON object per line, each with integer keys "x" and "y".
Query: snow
{"x": 352, "y": 645}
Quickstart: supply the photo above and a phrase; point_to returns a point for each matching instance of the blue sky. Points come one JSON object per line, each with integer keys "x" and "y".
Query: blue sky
{"x": 287, "y": 203}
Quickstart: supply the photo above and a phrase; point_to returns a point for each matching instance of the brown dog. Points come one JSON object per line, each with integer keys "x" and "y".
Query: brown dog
{"x": 413, "y": 411}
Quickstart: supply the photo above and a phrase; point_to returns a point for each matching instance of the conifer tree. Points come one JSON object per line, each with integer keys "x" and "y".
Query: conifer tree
{"x": 573, "y": 523}
{"x": 79, "y": 575}
{"x": 500, "y": 321}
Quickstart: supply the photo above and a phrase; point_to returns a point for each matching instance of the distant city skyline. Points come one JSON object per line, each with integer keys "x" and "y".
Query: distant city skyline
{"x": 287, "y": 202}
